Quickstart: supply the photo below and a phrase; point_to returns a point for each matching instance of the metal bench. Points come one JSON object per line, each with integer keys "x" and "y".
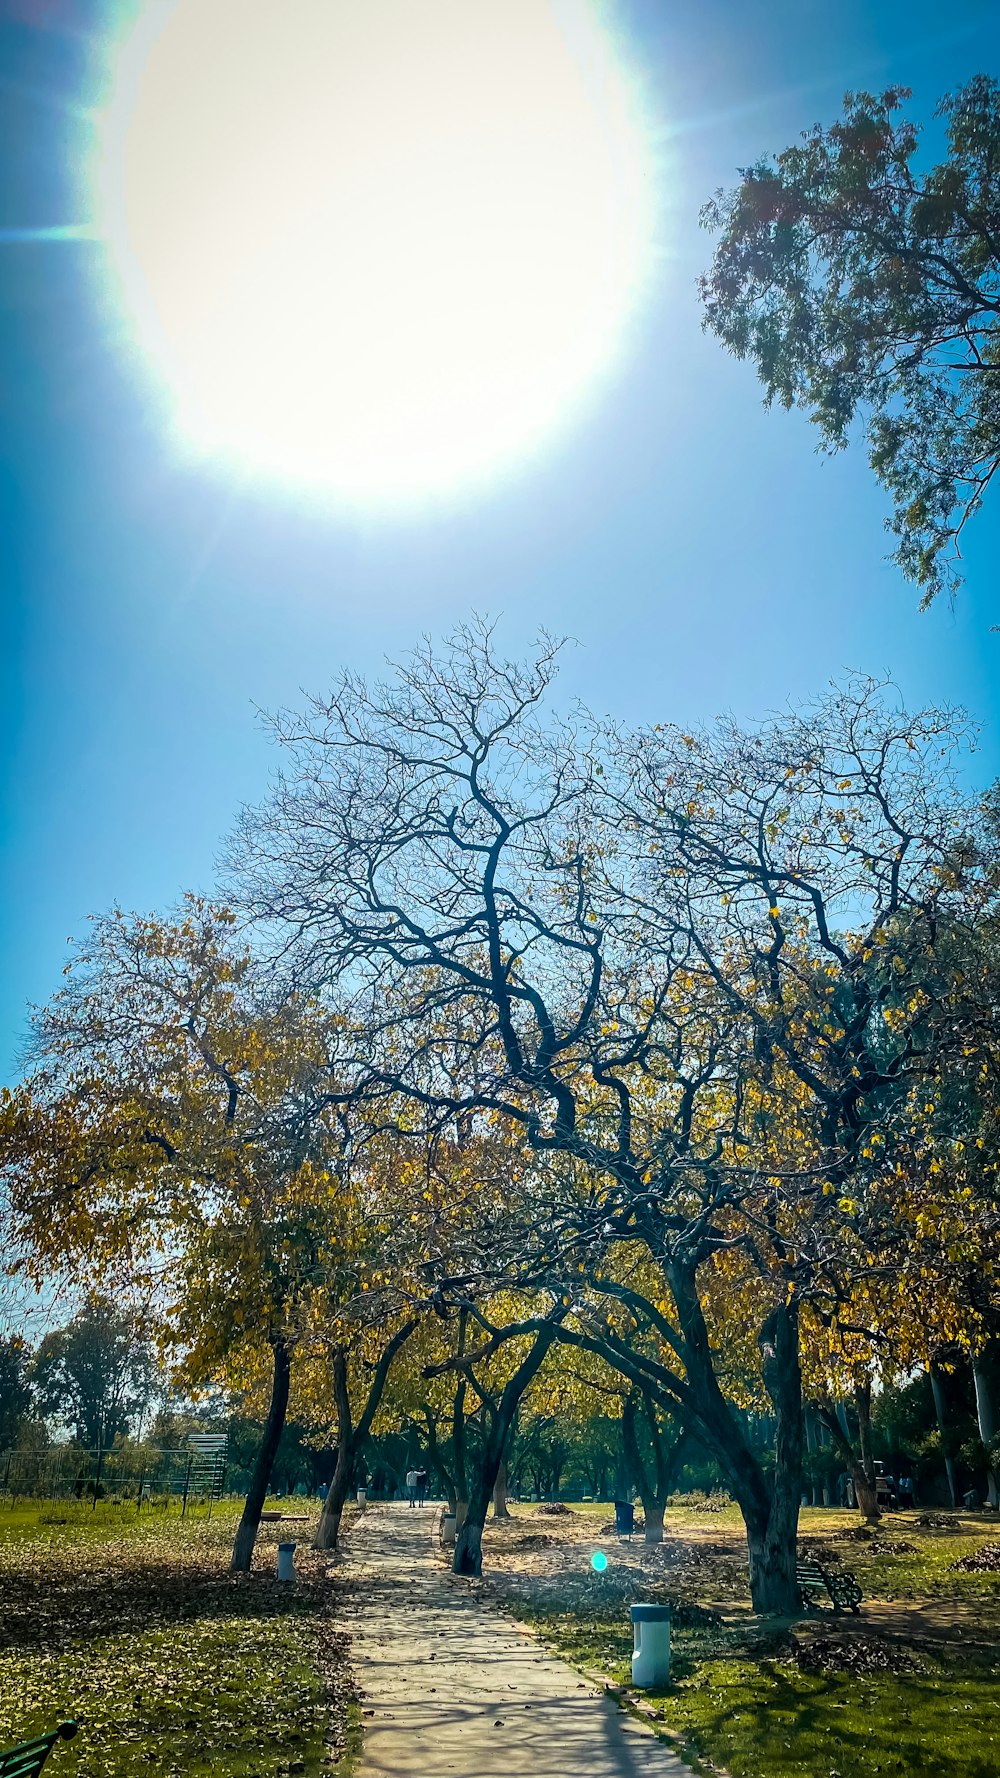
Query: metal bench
{"x": 28, "y": 1757}
{"x": 814, "y": 1580}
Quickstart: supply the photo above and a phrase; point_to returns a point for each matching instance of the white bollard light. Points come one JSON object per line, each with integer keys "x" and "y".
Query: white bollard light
{"x": 651, "y": 1650}
{"x": 286, "y": 1561}
{"x": 362, "y": 1496}
{"x": 449, "y": 1528}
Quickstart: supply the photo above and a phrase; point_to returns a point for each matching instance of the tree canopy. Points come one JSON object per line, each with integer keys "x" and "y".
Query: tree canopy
{"x": 856, "y": 283}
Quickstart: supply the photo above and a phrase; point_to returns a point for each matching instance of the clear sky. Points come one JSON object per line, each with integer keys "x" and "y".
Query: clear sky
{"x": 700, "y": 552}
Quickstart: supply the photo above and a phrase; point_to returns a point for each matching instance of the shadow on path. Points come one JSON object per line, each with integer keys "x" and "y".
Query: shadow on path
{"x": 450, "y": 1689}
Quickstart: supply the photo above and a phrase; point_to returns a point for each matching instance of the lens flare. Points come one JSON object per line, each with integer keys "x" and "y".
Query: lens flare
{"x": 385, "y": 250}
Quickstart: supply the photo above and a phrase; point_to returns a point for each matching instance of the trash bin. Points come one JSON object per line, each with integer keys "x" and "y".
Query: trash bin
{"x": 286, "y": 1561}
{"x": 362, "y": 1496}
{"x": 449, "y": 1528}
{"x": 651, "y": 1645}
{"x": 624, "y": 1518}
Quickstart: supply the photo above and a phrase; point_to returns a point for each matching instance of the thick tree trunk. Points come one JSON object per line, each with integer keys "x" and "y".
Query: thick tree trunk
{"x": 274, "y": 1425}
{"x": 653, "y": 1516}
{"x": 986, "y": 1414}
{"x": 772, "y": 1546}
{"x": 770, "y": 1508}
{"x": 865, "y": 1495}
{"x": 468, "y": 1557}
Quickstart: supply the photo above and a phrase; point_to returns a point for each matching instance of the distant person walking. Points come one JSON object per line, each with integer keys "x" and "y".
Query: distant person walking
{"x": 411, "y": 1486}
{"x": 421, "y": 1486}
{"x": 906, "y": 1498}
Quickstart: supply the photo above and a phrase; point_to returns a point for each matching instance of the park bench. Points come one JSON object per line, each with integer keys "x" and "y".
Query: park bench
{"x": 814, "y": 1580}
{"x": 28, "y": 1757}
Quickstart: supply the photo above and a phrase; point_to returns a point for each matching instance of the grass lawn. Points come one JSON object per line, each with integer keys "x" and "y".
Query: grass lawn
{"x": 133, "y": 1626}
{"x": 818, "y": 1697}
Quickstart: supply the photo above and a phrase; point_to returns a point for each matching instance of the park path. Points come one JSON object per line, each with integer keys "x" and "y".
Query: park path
{"x": 450, "y": 1689}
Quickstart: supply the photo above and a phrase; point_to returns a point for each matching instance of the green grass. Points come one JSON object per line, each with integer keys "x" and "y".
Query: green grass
{"x": 741, "y": 1702}
{"x": 768, "y": 1720}
{"x": 133, "y": 1626}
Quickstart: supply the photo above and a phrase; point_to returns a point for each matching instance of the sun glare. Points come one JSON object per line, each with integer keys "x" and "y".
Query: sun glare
{"x": 383, "y": 248}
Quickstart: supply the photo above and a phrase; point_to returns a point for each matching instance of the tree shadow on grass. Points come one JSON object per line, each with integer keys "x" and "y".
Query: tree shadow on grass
{"x": 63, "y": 1595}
{"x": 803, "y": 1721}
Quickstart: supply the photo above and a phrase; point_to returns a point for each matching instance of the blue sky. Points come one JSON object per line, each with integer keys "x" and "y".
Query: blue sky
{"x": 696, "y": 547}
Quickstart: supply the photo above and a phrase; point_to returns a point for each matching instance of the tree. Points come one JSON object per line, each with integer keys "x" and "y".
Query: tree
{"x": 15, "y": 1390}
{"x": 653, "y": 1456}
{"x": 522, "y": 1348}
{"x": 97, "y": 1375}
{"x": 854, "y": 283}
{"x": 357, "y": 1407}
{"x": 173, "y": 1135}
{"x": 628, "y": 945}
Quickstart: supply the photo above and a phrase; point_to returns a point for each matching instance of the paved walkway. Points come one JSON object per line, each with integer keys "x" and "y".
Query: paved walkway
{"x": 450, "y": 1689}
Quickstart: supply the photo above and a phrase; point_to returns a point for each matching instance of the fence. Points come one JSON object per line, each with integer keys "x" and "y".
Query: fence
{"x": 127, "y": 1473}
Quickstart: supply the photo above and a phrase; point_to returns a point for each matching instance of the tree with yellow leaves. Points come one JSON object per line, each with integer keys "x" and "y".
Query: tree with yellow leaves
{"x": 653, "y": 951}
{"x": 173, "y": 1139}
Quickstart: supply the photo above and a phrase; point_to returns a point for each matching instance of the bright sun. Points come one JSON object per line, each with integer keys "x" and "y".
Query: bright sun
{"x": 378, "y": 247}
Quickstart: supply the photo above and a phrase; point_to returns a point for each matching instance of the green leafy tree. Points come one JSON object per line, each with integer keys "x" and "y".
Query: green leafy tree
{"x": 97, "y": 1374}
{"x": 15, "y": 1390}
{"x": 857, "y": 284}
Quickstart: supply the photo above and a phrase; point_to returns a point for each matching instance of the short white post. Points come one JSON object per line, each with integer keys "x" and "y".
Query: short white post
{"x": 362, "y": 1496}
{"x": 286, "y": 1561}
{"x": 449, "y": 1528}
{"x": 651, "y": 1651}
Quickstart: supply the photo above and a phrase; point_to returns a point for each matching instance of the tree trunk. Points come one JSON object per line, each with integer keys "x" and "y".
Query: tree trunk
{"x": 436, "y": 1458}
{"x": 770, "y": 1508}
{"x": 500, "y": 1509}
{"x": 353, "y": 1435}
{"x": 863, "y": 1404}
{"x": 864, "y": 1492}
{"x": 274, "y": 1425}
{"x": 810, "y": 1430}
{"x": 653, "y": 1517}
{"x": 653, "y": 1494}
{"x": 772, "y": 1546}
{"x": 328, "y": 1529}
{"x": 940, "y": 1414}
{"x": 458, "y": 1438}
{"x": 986, "y": 1415}
{"x": 469, "y": 1544}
